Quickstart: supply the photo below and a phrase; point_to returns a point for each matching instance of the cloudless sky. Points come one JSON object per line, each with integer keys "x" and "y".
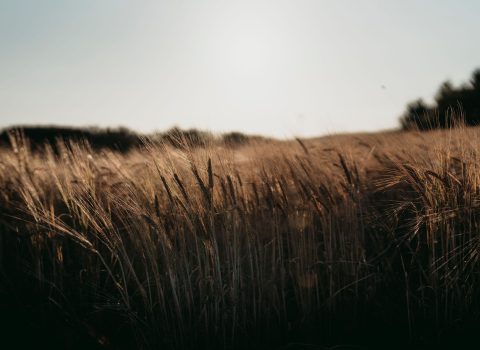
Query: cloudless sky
{"x": 277, "y": 67}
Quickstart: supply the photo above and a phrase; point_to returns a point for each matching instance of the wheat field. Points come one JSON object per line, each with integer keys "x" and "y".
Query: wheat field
{"x": 346, "y": 240}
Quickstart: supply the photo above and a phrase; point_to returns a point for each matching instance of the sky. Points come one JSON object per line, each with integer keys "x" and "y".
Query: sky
{"x": 274, "y": 67}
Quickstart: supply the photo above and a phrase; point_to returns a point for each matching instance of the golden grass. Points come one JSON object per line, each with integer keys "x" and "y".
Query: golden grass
{"x": 210, "y": 247}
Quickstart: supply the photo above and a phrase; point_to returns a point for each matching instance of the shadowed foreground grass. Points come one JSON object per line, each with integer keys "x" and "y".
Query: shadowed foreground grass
{"x": 353, "y": 241}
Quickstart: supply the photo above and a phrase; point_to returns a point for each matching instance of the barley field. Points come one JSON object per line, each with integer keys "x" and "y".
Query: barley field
{"x": 345, "y": 241}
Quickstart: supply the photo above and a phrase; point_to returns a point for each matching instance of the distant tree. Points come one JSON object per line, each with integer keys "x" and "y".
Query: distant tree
{"x": 418, "y": 115}
{"x": 444, "y": 91}
{"x": 451, "y": 105}
{"x": 475, "y": 81}
{"x": 235, "y": 138}
{"x": 179, "y": 138}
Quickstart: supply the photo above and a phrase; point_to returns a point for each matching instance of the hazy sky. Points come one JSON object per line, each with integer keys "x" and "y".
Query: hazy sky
{"x": 275, "y": 67}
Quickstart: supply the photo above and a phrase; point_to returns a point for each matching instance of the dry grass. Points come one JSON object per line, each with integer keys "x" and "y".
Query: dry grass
{"x": 229, "y": 247}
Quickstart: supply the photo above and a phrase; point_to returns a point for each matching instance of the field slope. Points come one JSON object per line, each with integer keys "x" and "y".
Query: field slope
{"x": 366, "y": 240}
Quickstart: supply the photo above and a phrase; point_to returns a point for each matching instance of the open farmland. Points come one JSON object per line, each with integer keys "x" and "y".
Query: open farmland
{"x": 361, "y": 240}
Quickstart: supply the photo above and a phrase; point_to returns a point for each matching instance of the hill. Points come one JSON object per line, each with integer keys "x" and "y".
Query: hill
{"x": 365, "y": 240}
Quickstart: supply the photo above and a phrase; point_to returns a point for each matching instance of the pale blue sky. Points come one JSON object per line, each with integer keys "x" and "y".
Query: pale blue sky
{"x": 282, "y": 68}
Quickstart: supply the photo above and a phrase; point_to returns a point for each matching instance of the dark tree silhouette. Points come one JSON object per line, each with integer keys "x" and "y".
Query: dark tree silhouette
{"x": 418, "y": 115}
{"x": 451, "y": 106}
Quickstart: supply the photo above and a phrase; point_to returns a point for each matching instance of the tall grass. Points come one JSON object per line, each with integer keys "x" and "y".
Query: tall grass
{"x": 336, "y": 242}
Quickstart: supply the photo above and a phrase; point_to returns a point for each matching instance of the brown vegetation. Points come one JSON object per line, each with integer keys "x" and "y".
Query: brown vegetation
{"x": 354, "y": 239}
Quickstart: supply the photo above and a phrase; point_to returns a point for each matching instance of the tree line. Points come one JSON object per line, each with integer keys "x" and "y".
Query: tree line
{"x": 118, "y": 139}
